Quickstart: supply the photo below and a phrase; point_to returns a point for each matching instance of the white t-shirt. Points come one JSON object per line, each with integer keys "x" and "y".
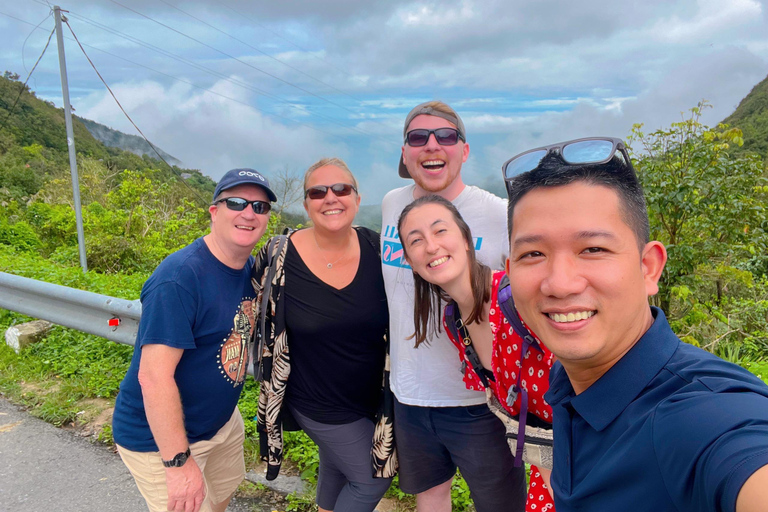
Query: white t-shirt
{"x": 430, "y": 375}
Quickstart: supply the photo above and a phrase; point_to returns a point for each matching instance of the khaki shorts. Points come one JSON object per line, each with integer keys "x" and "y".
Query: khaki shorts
{"x": 220, "y": 459}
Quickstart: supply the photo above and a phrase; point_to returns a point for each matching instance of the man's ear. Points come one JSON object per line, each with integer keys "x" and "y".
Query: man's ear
{"x": 506, "y": 266}
{"x": 654, "y": 258}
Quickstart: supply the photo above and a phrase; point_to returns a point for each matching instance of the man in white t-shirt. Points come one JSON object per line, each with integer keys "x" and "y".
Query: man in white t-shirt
{"x": 440, "y": 424}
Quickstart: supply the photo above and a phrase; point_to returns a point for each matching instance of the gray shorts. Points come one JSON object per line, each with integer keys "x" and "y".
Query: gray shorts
{"x": 344, "y": 481}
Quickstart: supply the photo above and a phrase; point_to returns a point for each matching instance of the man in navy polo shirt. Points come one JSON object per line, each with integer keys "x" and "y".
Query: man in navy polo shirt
{"x": 642, "y": 421}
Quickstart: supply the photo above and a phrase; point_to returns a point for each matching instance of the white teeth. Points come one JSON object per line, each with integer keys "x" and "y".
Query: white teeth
{"x": 433, "y": 163}
{"x": 570, "y": 317}
{"x": 249, "y": 228}
{"x": 437, "y": 262}
{"x": 332, "y": 212}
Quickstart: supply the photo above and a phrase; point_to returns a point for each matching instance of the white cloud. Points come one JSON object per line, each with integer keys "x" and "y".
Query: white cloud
{"x": 713, "y": 18}
{"x": 208, "y": 132}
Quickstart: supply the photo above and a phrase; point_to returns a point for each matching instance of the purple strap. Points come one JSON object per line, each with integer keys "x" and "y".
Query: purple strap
{"x": 523, "y": 415}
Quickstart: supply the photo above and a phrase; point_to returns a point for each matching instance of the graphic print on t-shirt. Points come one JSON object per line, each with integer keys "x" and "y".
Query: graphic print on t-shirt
{"x": 233, "y": 356}
{"x": 392, "y": 249}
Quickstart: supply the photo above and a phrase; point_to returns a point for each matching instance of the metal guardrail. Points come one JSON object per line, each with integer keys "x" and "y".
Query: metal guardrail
{"x": 109, "y": 317}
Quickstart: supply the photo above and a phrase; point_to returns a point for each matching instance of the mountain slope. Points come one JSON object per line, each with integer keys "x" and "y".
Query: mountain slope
{"x": 752, "y": 117}
{"x": 116, "y": 139}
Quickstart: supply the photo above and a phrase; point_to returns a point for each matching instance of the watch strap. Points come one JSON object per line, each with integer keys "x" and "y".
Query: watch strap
{"x": 178, "y": 460}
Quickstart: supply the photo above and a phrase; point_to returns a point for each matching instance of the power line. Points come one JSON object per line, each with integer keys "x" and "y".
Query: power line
{"x": 260, "y": 51}
{"x": 325, "y": 61}
{"x": 262, "y": 111}
{"x": 208, "y": 70}
{"x": 234, "y": 58}
{"x": 194, "y": 192}
{"x": 23, "y": 63}
{"x": 24, "y": 87}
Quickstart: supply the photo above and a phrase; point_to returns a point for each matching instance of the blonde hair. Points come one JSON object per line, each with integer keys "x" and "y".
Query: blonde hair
{"x": 323, "y": 162}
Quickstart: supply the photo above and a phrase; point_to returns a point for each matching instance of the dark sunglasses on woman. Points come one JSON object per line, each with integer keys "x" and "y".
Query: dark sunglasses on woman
{"x": 320, "y": 191}
{"x": 443, "y": 136}
{"x": 238, "y": 204}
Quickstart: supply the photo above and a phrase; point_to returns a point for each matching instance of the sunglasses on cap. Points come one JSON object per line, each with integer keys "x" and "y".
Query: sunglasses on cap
{"x": 238, "y": 204}
{"x": 586, "y": 151}
{"x": 338, "y": 189}
{"x": 444, "y": 136}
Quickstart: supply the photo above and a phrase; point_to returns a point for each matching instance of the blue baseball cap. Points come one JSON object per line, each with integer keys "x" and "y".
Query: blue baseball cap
{"x": 243, "y": 176}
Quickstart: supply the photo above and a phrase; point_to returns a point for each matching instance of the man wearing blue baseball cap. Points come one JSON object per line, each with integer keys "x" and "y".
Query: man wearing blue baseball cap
{"x": 176, "y": 423}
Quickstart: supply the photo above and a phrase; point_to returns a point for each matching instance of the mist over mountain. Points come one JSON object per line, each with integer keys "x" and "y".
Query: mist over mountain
{"x": 132, "y": 143}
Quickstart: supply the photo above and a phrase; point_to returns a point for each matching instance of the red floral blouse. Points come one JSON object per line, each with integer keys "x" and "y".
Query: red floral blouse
{"x": 505, "y": 359}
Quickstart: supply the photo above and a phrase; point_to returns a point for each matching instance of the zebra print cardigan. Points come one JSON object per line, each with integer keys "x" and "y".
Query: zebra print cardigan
{"x": 272, "y": 365}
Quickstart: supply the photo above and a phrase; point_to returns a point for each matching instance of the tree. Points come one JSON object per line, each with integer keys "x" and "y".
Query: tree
{"x": 705, "y": 204}
{"x": 288, "y": 187}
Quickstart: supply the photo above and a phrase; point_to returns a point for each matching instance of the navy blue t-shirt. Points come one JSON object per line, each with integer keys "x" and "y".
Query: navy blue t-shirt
{"x": 193, "y": 302}
{"x": 669, "y": 427}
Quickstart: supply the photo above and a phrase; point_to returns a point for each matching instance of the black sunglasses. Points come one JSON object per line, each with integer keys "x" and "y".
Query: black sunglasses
{"x": 320, "y": 191}
{"x": 590, "y": 150}
{"x": 238, "y": 204}
{"x": 443, "y": 136}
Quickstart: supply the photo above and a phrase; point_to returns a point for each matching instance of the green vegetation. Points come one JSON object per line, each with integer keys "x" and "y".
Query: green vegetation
{"x": 707, "y": 204}
{"x": 751, "y": 116}
{"x": 707, "y": 200}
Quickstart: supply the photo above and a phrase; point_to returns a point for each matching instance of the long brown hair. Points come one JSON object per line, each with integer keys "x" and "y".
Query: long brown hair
{"x": 429, "y": 297}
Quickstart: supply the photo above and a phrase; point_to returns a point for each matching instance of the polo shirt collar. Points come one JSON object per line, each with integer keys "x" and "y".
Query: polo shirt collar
{"x": 607, "y": 398}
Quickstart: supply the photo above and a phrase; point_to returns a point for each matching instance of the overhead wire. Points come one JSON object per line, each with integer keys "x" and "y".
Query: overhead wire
{"x": 183, "y": 181}
{"x": 234, "y": 58}
{"x": 210, "y": 71}
{"x": 24, "y": 44}
{"x": 210, "y": 91}
{"x": 292, "y": 43}
{"x": 259, "y": 50}
{"x": 24, "y": 86}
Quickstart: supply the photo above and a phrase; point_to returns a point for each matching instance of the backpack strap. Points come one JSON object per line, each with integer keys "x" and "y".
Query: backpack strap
{"x": 507, "y": 305}
{"x": 460, "y": 333}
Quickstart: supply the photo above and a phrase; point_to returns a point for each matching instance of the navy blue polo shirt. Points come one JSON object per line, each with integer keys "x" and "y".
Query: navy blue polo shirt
{"x": 668, "y": 427}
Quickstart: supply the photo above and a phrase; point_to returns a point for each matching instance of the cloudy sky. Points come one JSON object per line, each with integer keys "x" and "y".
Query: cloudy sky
{"x": 276, "y": 85}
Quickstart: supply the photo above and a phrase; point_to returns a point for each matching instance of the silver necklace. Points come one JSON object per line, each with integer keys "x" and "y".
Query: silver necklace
{"x": 327, "y": 264}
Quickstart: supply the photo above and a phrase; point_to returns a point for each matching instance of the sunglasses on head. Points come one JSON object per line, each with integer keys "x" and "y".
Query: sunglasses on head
{"x": 443, "y": 136}
{"x": 338, "y": 189}
{"x": 238, "y": 204}
{"x": 586, "y": 151}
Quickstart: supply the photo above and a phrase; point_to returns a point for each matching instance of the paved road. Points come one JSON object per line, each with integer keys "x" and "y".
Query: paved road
{"x": 43, "y": 468}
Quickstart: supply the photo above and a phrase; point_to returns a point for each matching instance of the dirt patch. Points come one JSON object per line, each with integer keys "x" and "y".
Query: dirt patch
{"x": 34, "y": 388}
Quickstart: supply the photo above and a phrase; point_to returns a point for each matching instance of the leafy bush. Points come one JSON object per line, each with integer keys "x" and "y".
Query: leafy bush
{"x": 20, "y": 235}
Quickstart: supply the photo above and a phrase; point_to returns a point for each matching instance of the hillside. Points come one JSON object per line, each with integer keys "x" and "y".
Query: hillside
{"x": 752, "y": 117}
{"x": 33, "y": 147}
{"x": 116, "y": 139}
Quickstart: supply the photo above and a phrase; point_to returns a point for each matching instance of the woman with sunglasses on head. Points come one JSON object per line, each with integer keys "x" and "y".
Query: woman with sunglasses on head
{"x": 438, "y": 246}
{"x": 326, "y": 302}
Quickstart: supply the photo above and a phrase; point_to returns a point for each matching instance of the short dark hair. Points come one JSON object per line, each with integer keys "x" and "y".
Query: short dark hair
{"x": 617, "y": 174}
{"x": 427, "y": 304}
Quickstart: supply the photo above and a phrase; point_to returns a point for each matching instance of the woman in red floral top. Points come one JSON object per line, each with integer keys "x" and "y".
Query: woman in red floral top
{"x": 437, "y": 243}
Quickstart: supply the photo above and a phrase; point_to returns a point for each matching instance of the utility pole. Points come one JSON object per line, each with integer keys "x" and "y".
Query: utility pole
{"x": 70, "y": 140}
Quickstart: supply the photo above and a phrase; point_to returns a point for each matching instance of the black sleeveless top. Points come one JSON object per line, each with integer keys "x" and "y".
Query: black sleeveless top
{"x": 336, "y": 339}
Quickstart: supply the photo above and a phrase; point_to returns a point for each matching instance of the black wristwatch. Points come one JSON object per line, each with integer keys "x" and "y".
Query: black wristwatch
{"x": 178, "y": 460}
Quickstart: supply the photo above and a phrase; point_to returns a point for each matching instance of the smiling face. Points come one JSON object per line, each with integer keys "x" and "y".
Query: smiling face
{"x": 578, "y": 278}
{"x": 435, "y": 169}
{"x": 238, "y": 231}
{"x": 331, "y": 213}
{"x": 434, "y": 246}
